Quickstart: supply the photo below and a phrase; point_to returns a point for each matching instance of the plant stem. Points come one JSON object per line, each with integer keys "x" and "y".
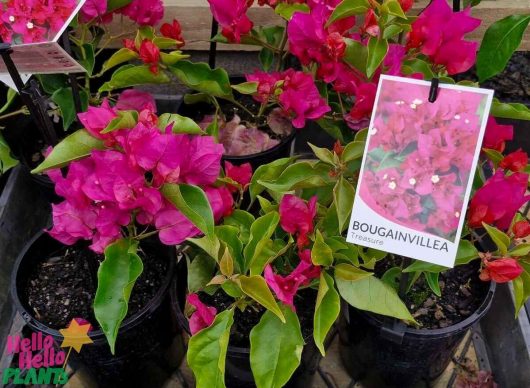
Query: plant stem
{"x": 282, "y": 48}
{"x": 24, "y": 110}
{"x": 238, "y": 104}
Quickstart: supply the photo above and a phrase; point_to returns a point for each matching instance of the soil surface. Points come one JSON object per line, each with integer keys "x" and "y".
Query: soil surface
{"x": 304, "y": 303}
{"x": 61, "y": 287}
{"x": 462, "y": 294}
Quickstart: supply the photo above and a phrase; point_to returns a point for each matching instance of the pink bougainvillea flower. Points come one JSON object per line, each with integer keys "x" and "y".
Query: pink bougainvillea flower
{"x": 241, "y": 174}
{"x": 516, "y": 161}
{"x": 150, "y": 55}
{"x": 203, "y": 161}
{"x": 364, "y": 103}
{"x": 286, "y": 287}
{"x": 438, "y": 33}
{"x": 96, "y": 119}
{"x": 306, "y": 268}
{"x": 221, "y": 201}
{"x": 370, "y": 26}
{"x": 173, "y": 31}
{"x": 133, "y": 99}
{"x": 406, "y": 4}
{"x": 498, "y": 200}
{"x": 296, "y": 217}
{"x": 301, "y": 99}
{"x": 231, "y": 16}
{"x": 202, "y": 317}
{"x": 521, "y": 229}
{"x": 496, "y": 135}
{"x": 92, "y": 9}
{"x": 266, "y": 84}
{"x": 173, "y": 226}
{"x": 144, "y": 12}
{"x": 500, "y": 270}
{"x": 71, "y": 187}
{"x": 71, "y": 223}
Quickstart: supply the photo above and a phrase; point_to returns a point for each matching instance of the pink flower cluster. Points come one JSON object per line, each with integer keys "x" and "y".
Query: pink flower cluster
{"x": 438, "y": 33}
{"x": 33, "y": 21}
{"x": 295, "y": 91}
{"x": 416, "y": 171}
{"x": 296, "y": 218}
{"x": 232, "y": 17}
{"x": 202, "y": 317}
{"x": 142, "y": 12}
{"x": 120, "y": 185}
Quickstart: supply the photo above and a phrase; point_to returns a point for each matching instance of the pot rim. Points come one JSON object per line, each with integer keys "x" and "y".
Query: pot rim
{"x": 379, "y": 320}
{"x": 97, "y": 334}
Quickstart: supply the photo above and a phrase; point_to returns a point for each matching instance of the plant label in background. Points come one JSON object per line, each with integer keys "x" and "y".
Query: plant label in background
{"x": 418, "y": 168}
{"x": 33, "y": 33}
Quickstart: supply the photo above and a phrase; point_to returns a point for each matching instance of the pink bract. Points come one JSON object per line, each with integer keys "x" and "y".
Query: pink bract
{"x": 501, "y": 270}
{"x": 296, "y": 217}
{"x": 202, "y": 317}
{"x": 496, "y": 135}
{"x": 202, "y": 161}
{"x": 144, "y": 12}
{"x": 96, "y": 119}
{"x": 231, "y": 15}
{"x": 286, "y": 287}
{"x": 133, "y": 99}
{"x": 241, "y": 174}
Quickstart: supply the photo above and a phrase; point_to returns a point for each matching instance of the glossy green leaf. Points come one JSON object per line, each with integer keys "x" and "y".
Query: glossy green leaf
{"x": 521, "y": 287}
{"x": 230, "y": 236}
{"x": 392, "y": 7}
{"x": 131, "y": 75}
{"x": 349, "y": 272}
{"x": 64, "y": 99}
{"x": 193, "y": 203}
{"x": 495, "y": 156}
{"x": 371, "y": 294}
{"x": 266, "y": 58}
{"x": 126, "y": 119}
{"x": 520, "y": 250}
{"x": 348, "y": 8}
{"x": 11, "y": 95}
{"x": 500, "y": 238}
{"x": 323, "y": 154}
{"x": 172, "y": 57}
{"x": 116, "y": 277}
{"x": 113, "y": 5}
{"x": 418, "y": 66}
{"x": 300, "y": 175}
{"x": 207, "y": 350}
{"x": 326, "y": 311}
{"x": 432, "y": 281}
{"x": 52, "y": 82}
{"x": 321, "y": 254}
{"x": 286, "y": 10}
{"x": 243, "y": 221}
{"x": 391, "y": 31}
{"x": 501, "y": 39}
{"x": 353, "y": 150}
{"x": 255, "y": 252}
{"x": 165, "y": 43}
{"x": 87, "y": 59}
{"x": 76, "y": 146}
{"x": 256, "y": 288}
{"x": 209, "y": 244}
{"x": 200, "y": 77}
{"x": 6, "y": 161}
{"x": 343, "y": 195}
{"x": 246, "y": 87}
{"x": 179, "y": 124}
{"x": 377, "y": 49}
{"x": 200, "y": 272}
{"x": 356, "y": 54}
{"x": 509, "y": 110}
{"x": 268, "y": 173}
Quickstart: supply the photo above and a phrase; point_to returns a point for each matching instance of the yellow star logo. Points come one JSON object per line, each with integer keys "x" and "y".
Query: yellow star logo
{"x": 76, "y": 335}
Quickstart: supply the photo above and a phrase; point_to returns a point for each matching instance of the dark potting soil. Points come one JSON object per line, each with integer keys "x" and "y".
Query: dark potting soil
{"x": 304, "y": 303}
{"x": 61, "y": 288}
{"x": 462, "y": 294}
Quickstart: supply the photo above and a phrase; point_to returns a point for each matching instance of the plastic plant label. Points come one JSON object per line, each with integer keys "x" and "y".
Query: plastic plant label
{"x": 418, "y": 169}
{"x": 33, "y": 31}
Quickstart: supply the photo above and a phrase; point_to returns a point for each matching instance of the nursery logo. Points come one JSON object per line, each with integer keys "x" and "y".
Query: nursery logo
{"x": 38, "y": 360}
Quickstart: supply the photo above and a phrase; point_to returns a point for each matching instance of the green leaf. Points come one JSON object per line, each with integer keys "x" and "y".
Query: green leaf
{"x": 76, "y": 146}
{"x": 326, "y": 311}
{"x": 377, "y": 49}
{"x": 172, "y": 57}
{"x": 349, "y": 272}
{"x": 126, "y": 119}
{"x": 180, "y": 124}
{"x": 510, "y": 110}
{"x": 246, "y": 87}
{"x": 193, "y": 203}
{"x": 432, "y": 281}
{"x": 286, "y": 10}
{"x": 88, "y": 59}
{"x": 266, "y": 58}
{"x": 418, "y": 66}
{"x": 116, "y": 277}
{"x": 121, "y": 56}
{"x": 495, "y": 156}
{"x": 230, "y": 236}
{"x": 64, "y": 99}
{"x": 371, "y": 294}
{"x": 164, "y": 43}
{"x": 300, "y": 176}
{"x": 207, "y": 351}
{"x": 465, "y": 254}
{"x": 113, "y": 5}
{"x": 275, "y": 349}
{"x": 200, "y": 272}
{"x": 256, "y": 288}
{"x": 267, "y": 172}
{"x": 520, "y": 250}
{"x": 260, "y": 233}
{"x": 392, "y": 7}
{"x": 52, "y": 82}
{"x": 353, "y": 150}
{"x": 323, "y": 154}
{"x": 348, "y": 8}
{"x": 243, "y": 221}
{"x": 500, "y": 239}
{"x": 200, "y": 77}
{"x": 130, "y": 75}
{"x": 321, "y": 254}
{"x": 343, "y": 195}
{"x": 500, "y": 41}
{"x": 196, "y": 98}
{"x": 209, "y": 244}
{"x": 356, "y": 54}
{"x": 521, "y": 287}
{"x": 6, "y": 161}
{"x": 391, "y": 31}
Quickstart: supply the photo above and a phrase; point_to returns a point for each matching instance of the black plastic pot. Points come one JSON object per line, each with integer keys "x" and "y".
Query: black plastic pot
{"x": 371, "y": 348}
{"x": 238, "y": 373}
{"x": 149, "y": 347}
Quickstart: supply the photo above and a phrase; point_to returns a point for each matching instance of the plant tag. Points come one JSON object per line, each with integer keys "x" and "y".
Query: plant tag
{"x": 418, "y": 168}
{"x": 34, "y": 37}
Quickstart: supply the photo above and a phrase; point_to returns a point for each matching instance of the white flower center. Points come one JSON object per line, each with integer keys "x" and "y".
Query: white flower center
{"x": 412, "y": 181}
{"x": 435, "y": 179}
{"x": 417, "y": 101}
{"x": 392, "y": 185}
{"x": 11, "y": 18}
{"x": 29, "y": 25}
{"x": 457, "y": 214}
{"x": 457, "y": 117}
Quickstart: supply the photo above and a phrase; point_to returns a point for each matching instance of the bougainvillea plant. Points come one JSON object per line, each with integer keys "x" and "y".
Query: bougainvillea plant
{"x": 280, "y": 264}
{"x": 131, "y": 175}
